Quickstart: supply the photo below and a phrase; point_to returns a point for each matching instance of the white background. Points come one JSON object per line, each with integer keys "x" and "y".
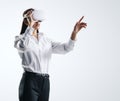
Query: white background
{"x": 91, "y": 72}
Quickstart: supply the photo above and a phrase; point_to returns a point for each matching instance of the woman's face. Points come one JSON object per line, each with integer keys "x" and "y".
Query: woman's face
{"x": 35, "y": 24}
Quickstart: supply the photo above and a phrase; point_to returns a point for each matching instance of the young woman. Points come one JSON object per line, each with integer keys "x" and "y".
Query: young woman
{"x": 35, "y": 51}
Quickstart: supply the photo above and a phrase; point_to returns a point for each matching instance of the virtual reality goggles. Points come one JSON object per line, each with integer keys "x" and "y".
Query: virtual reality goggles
{"x": 38, "y": 15}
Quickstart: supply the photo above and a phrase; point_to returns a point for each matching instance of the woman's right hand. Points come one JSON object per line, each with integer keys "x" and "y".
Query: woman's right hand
{"x": 29, "y": 18}
{"x": 30, "y": 21}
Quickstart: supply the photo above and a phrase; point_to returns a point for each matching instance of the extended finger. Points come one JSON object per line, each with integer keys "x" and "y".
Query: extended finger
{"x": 81, "y": 19}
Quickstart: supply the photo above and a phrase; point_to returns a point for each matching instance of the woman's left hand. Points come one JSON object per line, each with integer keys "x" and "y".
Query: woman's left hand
{"x": 79, "y": 25}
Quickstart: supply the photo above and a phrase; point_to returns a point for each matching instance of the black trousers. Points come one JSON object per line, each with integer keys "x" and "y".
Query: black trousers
{"x": 34, "y": 87}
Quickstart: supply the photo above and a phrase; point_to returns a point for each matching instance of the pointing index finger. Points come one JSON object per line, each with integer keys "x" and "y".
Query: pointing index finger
{"x": 81, "y": 18}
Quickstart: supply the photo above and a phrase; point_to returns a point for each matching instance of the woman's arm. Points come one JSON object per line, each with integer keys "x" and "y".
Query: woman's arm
{"x": 21, "y": 41}
{"x": 62, "y": 48}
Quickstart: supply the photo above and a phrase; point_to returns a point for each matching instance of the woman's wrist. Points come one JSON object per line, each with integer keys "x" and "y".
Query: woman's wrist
{"x": 73, "y": 35}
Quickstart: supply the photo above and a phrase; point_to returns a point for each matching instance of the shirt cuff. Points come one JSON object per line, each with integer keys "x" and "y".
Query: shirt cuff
{"x": 71, "y": 42}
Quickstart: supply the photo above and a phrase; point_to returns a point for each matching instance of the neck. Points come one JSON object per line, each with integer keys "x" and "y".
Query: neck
{"x": 35, "y": 34}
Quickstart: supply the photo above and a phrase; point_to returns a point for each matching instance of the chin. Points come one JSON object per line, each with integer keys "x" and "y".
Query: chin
{"x": 38, "y": 28}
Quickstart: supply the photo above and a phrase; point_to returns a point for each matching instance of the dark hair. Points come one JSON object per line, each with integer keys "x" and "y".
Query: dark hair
{"x": 25, "y": 22}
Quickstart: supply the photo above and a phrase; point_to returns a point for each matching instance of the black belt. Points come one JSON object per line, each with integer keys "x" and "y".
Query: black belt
{"x": 37, "y": 74}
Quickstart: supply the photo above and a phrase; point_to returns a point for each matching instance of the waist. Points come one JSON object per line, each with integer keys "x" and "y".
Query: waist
{"x": 35, "y": 69}
{"x": 36, "y": 74}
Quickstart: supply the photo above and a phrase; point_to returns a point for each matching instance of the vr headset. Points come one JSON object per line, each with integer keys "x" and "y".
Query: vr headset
{"x": 38, "y": 15}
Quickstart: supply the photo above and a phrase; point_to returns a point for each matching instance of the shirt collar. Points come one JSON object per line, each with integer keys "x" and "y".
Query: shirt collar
{"x": 40, "y": 35}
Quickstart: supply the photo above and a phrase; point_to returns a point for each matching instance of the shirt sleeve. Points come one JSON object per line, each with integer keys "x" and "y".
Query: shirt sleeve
{"x": 63, "y": 48}
{"x": 21, "y": 41}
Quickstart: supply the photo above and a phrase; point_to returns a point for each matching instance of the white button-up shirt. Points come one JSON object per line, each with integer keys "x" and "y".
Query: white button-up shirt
{"x": 36, "y": 53}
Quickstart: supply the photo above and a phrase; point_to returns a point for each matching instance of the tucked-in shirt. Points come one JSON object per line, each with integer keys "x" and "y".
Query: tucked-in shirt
{"x": 36, "y": 53}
